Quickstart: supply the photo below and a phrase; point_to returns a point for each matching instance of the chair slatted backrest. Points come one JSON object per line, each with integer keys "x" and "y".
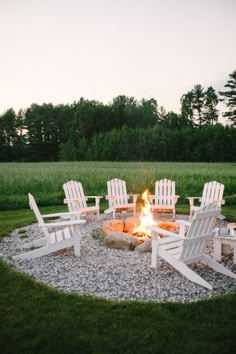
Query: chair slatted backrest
{"x": 34, "y": 207}
{"x": 164, "y": 192}
{"x": 212, "y": 192}
{"x": 199, "y": 233}
{"x": 117, "y": 188}
{"x": 74, "y": 191}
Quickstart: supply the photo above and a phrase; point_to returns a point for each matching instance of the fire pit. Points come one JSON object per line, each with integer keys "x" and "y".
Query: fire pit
{"x": 132, "y": 233}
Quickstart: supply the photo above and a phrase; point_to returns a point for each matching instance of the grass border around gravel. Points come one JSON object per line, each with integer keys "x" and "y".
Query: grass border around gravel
{"x": 38, "y": 319}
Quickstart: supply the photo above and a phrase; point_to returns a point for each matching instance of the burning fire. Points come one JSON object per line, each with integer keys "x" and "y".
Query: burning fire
{"x": 146, "y": 218}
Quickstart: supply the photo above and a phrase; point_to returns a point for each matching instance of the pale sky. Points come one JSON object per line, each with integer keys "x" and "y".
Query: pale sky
{"x": 60, "y": 50}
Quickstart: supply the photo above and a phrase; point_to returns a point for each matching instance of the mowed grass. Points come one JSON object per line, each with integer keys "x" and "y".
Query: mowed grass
{"x": 37, "y": 319}
{"x": 45, "y": 180}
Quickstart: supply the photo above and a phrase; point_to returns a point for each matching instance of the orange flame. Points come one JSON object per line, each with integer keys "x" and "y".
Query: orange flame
{"x": 146, "y": 218}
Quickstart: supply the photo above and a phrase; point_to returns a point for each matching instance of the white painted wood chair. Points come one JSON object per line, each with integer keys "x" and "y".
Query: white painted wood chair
{"x": 182, "y": 249}
{"x": 67, "y": 236}
{"x": 117, "y": 197}
{"x": 212, "y": 193}
{"x": 77, "y": 201}
{"x": 165, "y": 198}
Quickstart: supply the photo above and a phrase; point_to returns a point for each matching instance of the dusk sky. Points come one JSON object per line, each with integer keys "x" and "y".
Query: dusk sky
{"x": 60, "y": 50}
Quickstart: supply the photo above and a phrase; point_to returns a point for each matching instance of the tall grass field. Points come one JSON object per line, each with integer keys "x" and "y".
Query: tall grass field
{"x": 45, "y": 180}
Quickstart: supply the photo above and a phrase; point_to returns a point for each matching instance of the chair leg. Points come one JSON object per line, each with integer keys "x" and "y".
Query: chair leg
{"x": 43, "y": 251}
{"x": 154, "y": 251}
{"x": 76, "y": 240}
{"x": 217, "y": 266}
{"x": 174, "y": 214}
{"x": 217, "y": 249}
{"x": 185, "y": 270}
{"x": 38, "y": 252}
{"x": 191, "y": 214}
{"x": 36, "y": 243}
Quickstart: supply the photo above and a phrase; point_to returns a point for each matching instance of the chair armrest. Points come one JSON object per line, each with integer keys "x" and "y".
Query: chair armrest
{"x": 63, "y": 223}
{"x": 183, "y": 225}
{"x": 111, "y": 201}
{"x": 72, "y": 213}
{"x": 183, "y": 222}
{"x": 221, "y": 217}
{"x": 191, "y": 200}
{"x": 176, "y": 197}
{"x": 94, "y": 196}
{"x": 161, "y": 231}
{"x": 221, "y": 201}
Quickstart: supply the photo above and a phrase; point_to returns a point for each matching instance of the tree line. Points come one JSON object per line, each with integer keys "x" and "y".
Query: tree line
{"x": 125, "y": 129}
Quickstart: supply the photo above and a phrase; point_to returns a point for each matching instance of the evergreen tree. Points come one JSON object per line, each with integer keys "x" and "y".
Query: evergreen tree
{"x": 211, "y": 100}
{"x": 8, "y": 135}
{"x": 198, "y": 105}
{"x": 229, "y": 97}
{"x": 187, "y": 107}
{"x": 148, "y": 113}
{"x": 43, "y": 132}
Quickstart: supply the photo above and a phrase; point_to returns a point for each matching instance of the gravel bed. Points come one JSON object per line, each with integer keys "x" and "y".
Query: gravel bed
{"x": 111, "y": 273}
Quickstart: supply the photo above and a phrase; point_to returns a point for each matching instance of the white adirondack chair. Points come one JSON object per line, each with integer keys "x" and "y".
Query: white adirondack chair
{"x": 165, "y": 198}
{"x": 180, "y": 249}
{"x": 118, "y": 197}
{"x": 56, "y": 240}
{"x": 77, "y": 201}
{"x": 212, "y": 193}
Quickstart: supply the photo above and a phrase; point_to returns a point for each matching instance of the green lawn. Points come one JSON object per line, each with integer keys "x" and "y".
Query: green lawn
{"x": 37, "y": 319}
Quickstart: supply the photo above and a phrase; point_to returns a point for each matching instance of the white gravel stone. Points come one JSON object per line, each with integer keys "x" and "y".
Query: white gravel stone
{"x": 114, "y": 274}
